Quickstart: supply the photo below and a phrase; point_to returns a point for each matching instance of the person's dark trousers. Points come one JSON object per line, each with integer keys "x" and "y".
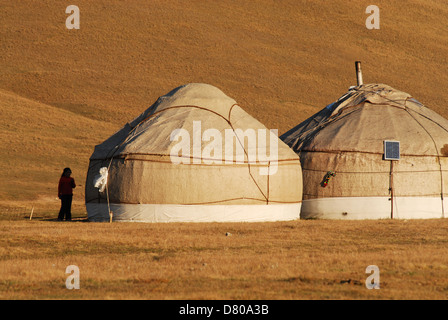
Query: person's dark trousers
{"x": 66, "y": 207}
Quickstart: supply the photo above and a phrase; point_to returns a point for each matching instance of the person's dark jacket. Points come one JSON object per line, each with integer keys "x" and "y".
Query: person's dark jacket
{"x": 66, "y": 185}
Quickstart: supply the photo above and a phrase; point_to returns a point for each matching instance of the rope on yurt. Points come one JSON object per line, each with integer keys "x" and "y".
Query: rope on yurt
{"x": 391, "y": 189}
{"x": 132, "y": 132}
{"x": 373, "y": 172}
{"x": 108, "y": 203}
{"x": 434, "y": 142}
{"x": 438, "y": 160}
{"x": 267, "y": 184}
{"x": 248, "y": 164}
{"x": 429, "y": 119}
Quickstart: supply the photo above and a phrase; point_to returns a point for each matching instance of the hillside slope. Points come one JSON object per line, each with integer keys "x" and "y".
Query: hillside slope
{"x": 38, "y": 141}
{"x": 281, "y": 60}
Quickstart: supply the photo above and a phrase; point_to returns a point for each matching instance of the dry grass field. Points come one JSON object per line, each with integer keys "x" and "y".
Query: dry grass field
{"x": 305, "y": 259}
{"x": 64, "y": 91}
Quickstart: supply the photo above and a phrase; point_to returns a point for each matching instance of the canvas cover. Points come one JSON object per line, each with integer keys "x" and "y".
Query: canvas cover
{"x": 143, "y": 169}
{"x": 347, "y": 138}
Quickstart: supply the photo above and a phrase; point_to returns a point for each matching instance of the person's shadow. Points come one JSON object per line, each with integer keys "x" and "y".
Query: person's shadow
{"x": 57, "y": 220}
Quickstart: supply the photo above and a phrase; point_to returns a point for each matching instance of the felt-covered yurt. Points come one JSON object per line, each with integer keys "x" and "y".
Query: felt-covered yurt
{"x": 374, "y": 153}
{"x": 194, "y": 156}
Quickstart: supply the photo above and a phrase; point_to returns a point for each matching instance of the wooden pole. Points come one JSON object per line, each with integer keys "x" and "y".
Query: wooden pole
{"x": 391, "y": 189}
{"x": 358, "y": 73}
{"x": 31, "y": 215}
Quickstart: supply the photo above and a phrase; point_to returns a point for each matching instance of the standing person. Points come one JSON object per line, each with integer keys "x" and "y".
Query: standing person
{"x": 65, "y": 193}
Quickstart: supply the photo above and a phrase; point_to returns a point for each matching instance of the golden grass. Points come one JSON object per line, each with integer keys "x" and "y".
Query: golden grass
{"x": 305, "y": 259}
{"x": 64, "y": 91}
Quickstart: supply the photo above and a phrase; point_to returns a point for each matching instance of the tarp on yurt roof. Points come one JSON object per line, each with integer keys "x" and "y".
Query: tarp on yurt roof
{"x": 149, "y": 133}
{"x": 374, "y": 111}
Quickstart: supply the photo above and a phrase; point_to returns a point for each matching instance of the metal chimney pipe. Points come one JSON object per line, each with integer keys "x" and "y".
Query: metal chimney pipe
{"x": 358, "y": 73}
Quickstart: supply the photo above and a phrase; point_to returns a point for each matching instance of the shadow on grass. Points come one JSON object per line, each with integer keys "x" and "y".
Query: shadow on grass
{"x": 67, "y": 221}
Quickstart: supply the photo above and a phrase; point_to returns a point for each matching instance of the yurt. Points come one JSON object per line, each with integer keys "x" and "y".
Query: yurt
{"x": 375, "y": 153}
{"x": 194, "y": 156}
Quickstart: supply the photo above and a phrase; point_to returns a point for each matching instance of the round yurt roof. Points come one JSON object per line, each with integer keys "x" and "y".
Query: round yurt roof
{"x": 149, "y": 133}
{"x": 371, "y": 113}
